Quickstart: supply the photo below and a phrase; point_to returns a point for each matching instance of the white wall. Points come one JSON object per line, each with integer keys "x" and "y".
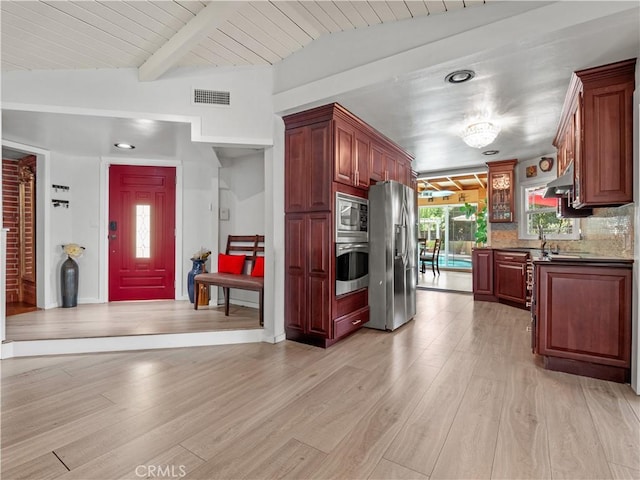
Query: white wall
{"x": 117, "y": 92}
{"x": 76, "y": 224}
{"x": 242, "y": 191}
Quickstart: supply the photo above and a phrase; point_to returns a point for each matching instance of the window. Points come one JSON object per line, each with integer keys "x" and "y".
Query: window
{"x": 540, "y": 213}
{"x": 143, "y": 231}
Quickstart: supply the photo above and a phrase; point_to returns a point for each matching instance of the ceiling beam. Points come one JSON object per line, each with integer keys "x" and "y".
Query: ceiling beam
{"x": 479, "y": 181}
{"x": 434, "y": 186}
{"x": 185, "y": 39}
{"x": 456, "y": 183}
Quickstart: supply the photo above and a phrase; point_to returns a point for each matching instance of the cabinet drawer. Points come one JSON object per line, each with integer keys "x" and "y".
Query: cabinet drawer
{"x": 351, "y": 302}
{"x": 517, "y": 257}
{"x": 345, "y": 325}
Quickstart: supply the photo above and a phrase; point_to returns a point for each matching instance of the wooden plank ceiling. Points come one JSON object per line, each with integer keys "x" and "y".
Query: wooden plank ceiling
{"x": 123, "y": 34}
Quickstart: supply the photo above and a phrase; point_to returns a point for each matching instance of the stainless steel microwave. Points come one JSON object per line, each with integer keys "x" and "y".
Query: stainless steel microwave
{"x": 352, "y": 218}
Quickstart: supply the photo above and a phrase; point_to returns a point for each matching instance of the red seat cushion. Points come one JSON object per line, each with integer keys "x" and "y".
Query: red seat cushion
{"x": 258, "y": 268}
{"x": 231, "y": 263}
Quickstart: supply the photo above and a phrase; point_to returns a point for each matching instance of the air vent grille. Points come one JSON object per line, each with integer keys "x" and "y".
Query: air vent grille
{"x": 211, "y": 97}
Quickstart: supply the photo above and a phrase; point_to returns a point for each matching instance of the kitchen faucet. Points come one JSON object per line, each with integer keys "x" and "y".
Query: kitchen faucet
{"x": 543, "y": 240}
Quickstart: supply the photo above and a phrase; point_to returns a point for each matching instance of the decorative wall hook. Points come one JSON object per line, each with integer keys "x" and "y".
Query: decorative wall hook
{"x": 60, "y": 203}
{"x": 63, "y": 188}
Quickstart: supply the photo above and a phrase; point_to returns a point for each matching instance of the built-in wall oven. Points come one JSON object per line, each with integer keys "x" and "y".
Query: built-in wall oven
{"x": 352, "y": 267}
{"x": 352, "y": 247}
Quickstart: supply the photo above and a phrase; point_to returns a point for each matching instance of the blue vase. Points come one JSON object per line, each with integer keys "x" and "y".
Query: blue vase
{"x": 198, "y": 267}
{"x": 69, "y": 283}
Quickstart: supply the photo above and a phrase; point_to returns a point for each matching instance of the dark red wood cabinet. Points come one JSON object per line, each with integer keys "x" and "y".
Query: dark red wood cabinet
{"x": 308, "y": 178}
{"x": 327, "y": 149}
{"x": 511, "y": 276}
{"x": 583, "y": 318}
{"x": 308, "y": 269}
{"x": 482, "y": 268}
{"x": 596, "y": 134}
{"x": 501, "y": 191}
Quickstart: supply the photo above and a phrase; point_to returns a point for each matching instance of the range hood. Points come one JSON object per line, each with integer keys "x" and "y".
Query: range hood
{"x": 561, "y": 185}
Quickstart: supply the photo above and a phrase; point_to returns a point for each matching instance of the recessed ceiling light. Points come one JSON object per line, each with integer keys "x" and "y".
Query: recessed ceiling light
{"x": 460, "y": 76}
{"x": 124, "y": 146}
{"x": 491, "y": 152}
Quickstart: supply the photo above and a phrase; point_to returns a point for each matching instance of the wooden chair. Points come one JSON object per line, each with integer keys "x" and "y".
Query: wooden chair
{"x": 430, "y": 257}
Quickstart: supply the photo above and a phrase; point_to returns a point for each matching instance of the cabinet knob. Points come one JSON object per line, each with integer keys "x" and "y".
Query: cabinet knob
{"x": 356, "y": 322}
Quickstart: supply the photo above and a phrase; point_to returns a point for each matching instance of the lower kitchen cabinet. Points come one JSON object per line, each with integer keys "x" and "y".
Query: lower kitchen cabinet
{"x": 313, "y": 314}
{"x": 308, "y": 276}
{"x": 511, "y": 276}
{"x": 482, "y": 270}
{"x": 582, "y": 318}
{"x": 501, "y": 276}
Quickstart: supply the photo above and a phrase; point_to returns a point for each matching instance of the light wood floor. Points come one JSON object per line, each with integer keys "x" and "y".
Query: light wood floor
{"x": 127, "y": 318}
{"x": 455, "y": 393}
{"x": 448, "y": 280}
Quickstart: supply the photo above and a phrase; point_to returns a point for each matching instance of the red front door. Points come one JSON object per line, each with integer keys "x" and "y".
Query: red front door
{"x": 141, "y": 232}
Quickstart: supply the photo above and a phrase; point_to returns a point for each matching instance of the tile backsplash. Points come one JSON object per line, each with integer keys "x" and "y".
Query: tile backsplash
{"x": 609, "y": 232}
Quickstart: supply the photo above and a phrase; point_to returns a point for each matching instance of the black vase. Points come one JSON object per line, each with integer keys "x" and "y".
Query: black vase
{"x": 69, "y": 283}
{"x": 195, "y": 270}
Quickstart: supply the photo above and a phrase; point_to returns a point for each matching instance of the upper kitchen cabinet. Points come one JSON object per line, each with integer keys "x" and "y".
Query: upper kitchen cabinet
{"x": 352, "y": 155}
{"x": 596, "y": 134}
{"x": 501, "y": 191}
{"x": 328, "y": 144}
{"x": 308, "y": 178}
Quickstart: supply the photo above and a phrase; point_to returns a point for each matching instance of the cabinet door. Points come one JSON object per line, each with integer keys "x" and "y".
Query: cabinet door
{"x": 584, "y": 313}
{"x": 511, "y": 276}
{"x": 482, "y": 268}
{"x": 318, "y": 257}
{"x": 606, "y": 170}
{"x": 391, "y": 165}
{"x": 295, "y": 273}
{"x": 296, "y": 166}
{"x": 403, "y": 170}
{"x": 308, "y": 273}
{"x": 377, "y": 165}
{"x": 308, "y": 168}
{"x": 362, "y": 161}
{"x": 501, "y": 191}
{"x": 317, "y": 180}
{"x": 345, "y": 148}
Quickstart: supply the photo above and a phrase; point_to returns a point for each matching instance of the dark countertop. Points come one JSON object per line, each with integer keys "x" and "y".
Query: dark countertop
{"x": 568, "y": 257}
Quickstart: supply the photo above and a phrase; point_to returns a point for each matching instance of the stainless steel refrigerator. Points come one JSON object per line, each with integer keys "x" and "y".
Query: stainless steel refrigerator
{"x": 393, "y": 235}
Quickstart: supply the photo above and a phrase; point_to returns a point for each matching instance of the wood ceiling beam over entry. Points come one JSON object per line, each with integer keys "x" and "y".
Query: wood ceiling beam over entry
{"x": 188, "y": 37}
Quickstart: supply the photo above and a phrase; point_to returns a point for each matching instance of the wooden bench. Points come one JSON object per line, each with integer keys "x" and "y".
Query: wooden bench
{"x": 249, "y": 245}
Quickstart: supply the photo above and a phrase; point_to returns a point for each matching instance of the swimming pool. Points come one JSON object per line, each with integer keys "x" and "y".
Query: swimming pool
{"x": 454, "y": 262}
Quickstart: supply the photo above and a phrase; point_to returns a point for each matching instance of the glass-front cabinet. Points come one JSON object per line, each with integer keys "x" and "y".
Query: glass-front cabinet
{"x": 501, "y": 191}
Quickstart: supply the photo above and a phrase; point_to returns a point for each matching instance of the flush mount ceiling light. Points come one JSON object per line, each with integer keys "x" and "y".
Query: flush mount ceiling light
{"x": 481, "y": 134}
{"x": 491, "y": 152}
{"x": 460, "y": 76}
{"x": 124, "y": 146}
